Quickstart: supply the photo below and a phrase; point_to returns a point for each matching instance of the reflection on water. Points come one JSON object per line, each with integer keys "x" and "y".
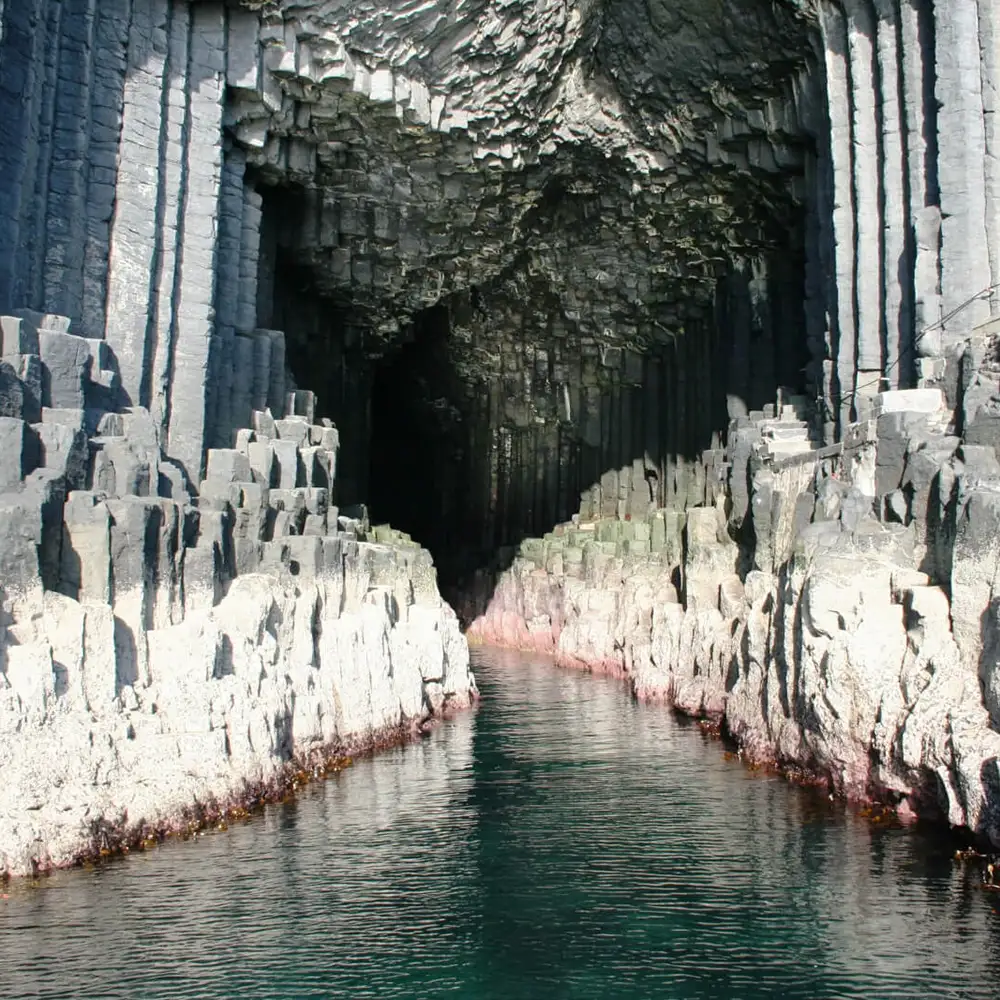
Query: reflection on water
{"x": 563, "y": 842}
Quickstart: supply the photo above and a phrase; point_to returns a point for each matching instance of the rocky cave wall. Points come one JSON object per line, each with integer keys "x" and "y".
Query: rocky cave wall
{"x": 908, "y": 192}
{"x": 635, "y": 221}
{"x": 144, "y": 137}
{"x": 652, "y": 261}
{"x": 563, "y": 262}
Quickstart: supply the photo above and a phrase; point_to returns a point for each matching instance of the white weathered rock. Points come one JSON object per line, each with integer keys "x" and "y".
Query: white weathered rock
{"x": 163, "y": 659}
{"x": 228, "y": 700}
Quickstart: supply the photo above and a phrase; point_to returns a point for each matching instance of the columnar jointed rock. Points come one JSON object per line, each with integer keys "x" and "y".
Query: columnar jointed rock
{"x": 841, "y": 653}
{"x": 181, "y": 655}
{"x": 605, "y": 211}
{"x": 643, "y": 176}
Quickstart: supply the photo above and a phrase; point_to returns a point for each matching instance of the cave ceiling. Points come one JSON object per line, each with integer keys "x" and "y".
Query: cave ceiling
{"x": 611, "y": 159}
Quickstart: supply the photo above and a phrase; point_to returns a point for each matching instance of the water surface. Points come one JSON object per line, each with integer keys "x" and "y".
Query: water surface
{"x": 562, "y": 842}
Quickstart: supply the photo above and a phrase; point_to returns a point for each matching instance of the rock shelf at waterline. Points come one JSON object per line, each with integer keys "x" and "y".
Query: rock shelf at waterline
{"x": 836, "y": 655}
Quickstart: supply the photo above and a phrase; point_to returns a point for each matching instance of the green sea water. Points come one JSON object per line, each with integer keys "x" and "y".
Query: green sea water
{"x": 561, "y": 842}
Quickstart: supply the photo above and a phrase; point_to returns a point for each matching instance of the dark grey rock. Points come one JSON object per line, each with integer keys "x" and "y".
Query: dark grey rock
{"x": 227, "y": 465}
{"x": 285, "y": 469}
{"x": 29, "y": 372}
{"x": 855, "y": 508}
{"x": 301, "y": 403}
{"x": 11, "y": 392}
{"x": 984, "y": 426}
{"x": 64, "y": 450}
{"x": 172, "y": 483}
{"x": 120, "y": 468}
{"x": 263, "y": 424}
{"x": 979, "y": 461}
{"x": 294, "y": 430}
{"x": 66, "y": 364}
{"x": 897, "y": 507}
{"x": 15, "y": 453}
{"x": 17, "y": 336}
{"x": 85, "y": 559}
{"x": 20, "y": 538}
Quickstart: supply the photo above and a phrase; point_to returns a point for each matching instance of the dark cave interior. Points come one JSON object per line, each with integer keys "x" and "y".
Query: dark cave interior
{"x": 420, "y": 444}
{"x": 490, "y": 418}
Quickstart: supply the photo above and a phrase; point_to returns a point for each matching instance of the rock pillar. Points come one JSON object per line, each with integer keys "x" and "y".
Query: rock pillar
{"x": 838, "y": 88}
{"x": 920, "y": 117}
{"x": 965, "y": 258}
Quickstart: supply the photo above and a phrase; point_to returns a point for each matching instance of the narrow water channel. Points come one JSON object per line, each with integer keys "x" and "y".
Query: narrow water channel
{"x": 562, "y": 842}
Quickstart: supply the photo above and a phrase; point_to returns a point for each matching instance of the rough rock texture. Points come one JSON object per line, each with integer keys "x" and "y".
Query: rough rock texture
{"x": 533, "y": 258}
{"x": 335, "y": 170}
{"x": 849, "y": 632}
{"x": 599, "y": 208}
{"x": 163, "y": 657}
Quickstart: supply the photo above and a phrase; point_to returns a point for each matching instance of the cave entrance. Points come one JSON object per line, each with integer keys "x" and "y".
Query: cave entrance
{"x": 501, "y": 415}
{"x": 420, "y": 447}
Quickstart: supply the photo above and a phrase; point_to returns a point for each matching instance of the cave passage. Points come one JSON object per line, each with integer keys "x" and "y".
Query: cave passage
{"x": 481, "y": 434}
{"x": 491, "y": 416}
{"x": 419, "y": 446}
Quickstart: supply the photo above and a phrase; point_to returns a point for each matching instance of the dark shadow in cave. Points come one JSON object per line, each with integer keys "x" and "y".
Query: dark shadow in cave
{"x": 419, "y": 446}
{"x": 324, "y": 332}
{"x": 470, "y": 468}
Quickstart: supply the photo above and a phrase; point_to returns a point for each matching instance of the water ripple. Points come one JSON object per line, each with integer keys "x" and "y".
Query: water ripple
{"x": 564, "y": 842}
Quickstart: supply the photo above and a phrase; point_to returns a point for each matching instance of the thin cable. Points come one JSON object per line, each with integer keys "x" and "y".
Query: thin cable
{"x": 985, "y": 293}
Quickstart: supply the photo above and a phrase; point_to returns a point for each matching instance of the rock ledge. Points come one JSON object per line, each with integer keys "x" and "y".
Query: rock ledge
{"x": 839, "y": 618}
{"x": 164, "y": 658}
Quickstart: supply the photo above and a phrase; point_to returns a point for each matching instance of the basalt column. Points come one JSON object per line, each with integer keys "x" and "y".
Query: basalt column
{"x": 843, "y": 314}
{"x": 868, "y": 202}
{"x": 909, "y": 171}
{"x": 241, "y": 171}
{"x": 62, "y": 71}
{"x": 959, "y": 77}
{"x": 989, "y": 45}
{"x": 125, "y": 209}
{"x": 166, "y": 357}
{"x": 498, "y": 418}
{"x": 916, "y": 47}
{"x": 896, "y": 264}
